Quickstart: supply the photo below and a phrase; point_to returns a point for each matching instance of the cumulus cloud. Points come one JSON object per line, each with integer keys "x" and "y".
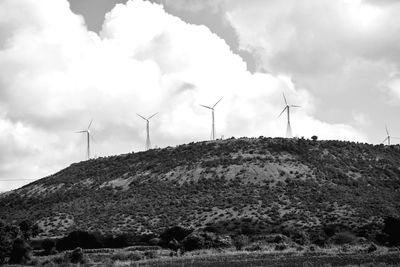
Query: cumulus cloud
{"x": 55, "y": 76}
{"x": 344, "y": 52}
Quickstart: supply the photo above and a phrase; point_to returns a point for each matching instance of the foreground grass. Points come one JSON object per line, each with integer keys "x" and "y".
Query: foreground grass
{"x": 233, "y": 258}
{"x": 281, "y": 259}
{"x": 292, "y": 256}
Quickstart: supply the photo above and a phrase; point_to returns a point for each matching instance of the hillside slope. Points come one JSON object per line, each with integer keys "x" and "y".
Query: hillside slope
{"x": 252, "y": 186}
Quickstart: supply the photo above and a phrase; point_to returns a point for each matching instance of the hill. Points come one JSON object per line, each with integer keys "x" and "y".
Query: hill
{"x": 256, "y": 186}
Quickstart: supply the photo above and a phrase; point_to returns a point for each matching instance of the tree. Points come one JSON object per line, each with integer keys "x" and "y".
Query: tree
{"x": 314, "y": 138}
{"x": 78, "y": 239}
{"x": 8, "y": 233}
{"x": 29, "y": 229}
{"x": 392, "y": 229}
{"x": 240, "y": 241}
{"x": 76, "y": 256}
{"x": 49, "y": 246}
{"x": 20, "y": 253}
{"x": 176, "y": 232}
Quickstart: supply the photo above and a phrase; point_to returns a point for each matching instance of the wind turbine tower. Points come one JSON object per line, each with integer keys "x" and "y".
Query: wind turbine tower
{"x": 148, "y": 143}
{"x": 287, "y": 109}
{"x": 388, "y": 137}
{"x": 213, "y": 119}
{"x": 87, "y": 131}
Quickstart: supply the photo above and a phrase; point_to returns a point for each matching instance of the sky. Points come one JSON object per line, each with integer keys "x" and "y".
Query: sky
{"x": 64, "y": 63}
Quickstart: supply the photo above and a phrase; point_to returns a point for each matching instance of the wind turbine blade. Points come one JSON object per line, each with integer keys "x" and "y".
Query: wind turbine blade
{"x": 384, "y": 140}
{"x": 217, "y": 102}
{"x": 141, "y": 117}
{"x": 295, "y": 106}
{"x": 282, "y": 111}
{"x": 284, "y": 97}
{"x": 206, "y": 106}
{"x": 152, "y": 116}
{"x": 90, "y": 124}
{"x": 81, "y": 131}
{"x": 387, "y": 131}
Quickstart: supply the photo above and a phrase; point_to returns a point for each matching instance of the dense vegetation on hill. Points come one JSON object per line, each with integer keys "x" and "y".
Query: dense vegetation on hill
{"x": 307, "y": 190}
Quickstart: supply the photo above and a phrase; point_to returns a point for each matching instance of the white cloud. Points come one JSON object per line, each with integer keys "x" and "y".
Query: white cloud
{"x": 394, "y": 87}
{"x": 55, "y": 76}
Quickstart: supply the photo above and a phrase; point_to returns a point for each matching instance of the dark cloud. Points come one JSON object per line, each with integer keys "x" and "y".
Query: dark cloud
{"x": 93, "y": 11}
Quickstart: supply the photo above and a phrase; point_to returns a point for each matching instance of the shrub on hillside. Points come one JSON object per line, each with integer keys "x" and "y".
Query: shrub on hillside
{"x": 344, "y": 238}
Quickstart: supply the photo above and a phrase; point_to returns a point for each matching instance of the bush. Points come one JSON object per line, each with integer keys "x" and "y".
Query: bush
{"x": 343, "y": 238}
{"x": 392, "y": 229}
{"x": 177, "y": 232}
{"x": 329, "y": 230}
{"x": 173, "y": 245}
{"x": 150, "y": 254}
{"x": 154, "y": 241}
{"x": 49, "y": 246}
{"x": 298, "y": 236}
{"x": 76, "y": 256}
{"x": 127, "y": 256}
{"x": 254, "y": 247}
{"x": 280, "y": 247}
{"x": 371, "y": 248}
{"x": 120, "y": 241}
{"x": 193, "y": 242}
{"x": 275, "y": 238}
{"x": 78, "y": 239}
{"x": 7, "y": 235}
{"x": 240, "y": 241}
{"x": 205, "y": 240}
{"x": 20, "y": 252}
{"x": 29, "y": 229}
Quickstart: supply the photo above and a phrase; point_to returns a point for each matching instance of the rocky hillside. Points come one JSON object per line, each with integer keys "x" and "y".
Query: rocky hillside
{"x": 251, "y": 186}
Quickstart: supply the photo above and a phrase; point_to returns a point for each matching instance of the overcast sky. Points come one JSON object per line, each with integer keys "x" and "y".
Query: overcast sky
{"x": 64, "y": 63}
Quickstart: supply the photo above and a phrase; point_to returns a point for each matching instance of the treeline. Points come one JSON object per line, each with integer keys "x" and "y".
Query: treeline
{"x": 16, "y": 240}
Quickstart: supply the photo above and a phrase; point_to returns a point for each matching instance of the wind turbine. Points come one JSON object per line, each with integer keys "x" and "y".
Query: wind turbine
{"x": 287, "y": 108}
{"x": 87, "y": 131}
{"x": 148, "y": 143}
{"x": 388, "y": 137}
{"x": 213, "y": 120}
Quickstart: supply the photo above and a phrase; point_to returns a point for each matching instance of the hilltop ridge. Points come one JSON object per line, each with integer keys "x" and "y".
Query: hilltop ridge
{"x": 249, "y": 185}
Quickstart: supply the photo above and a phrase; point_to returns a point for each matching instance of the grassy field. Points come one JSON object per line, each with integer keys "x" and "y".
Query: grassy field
{"x": 229, "y": 258}
{"x": 279, "y": 260}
